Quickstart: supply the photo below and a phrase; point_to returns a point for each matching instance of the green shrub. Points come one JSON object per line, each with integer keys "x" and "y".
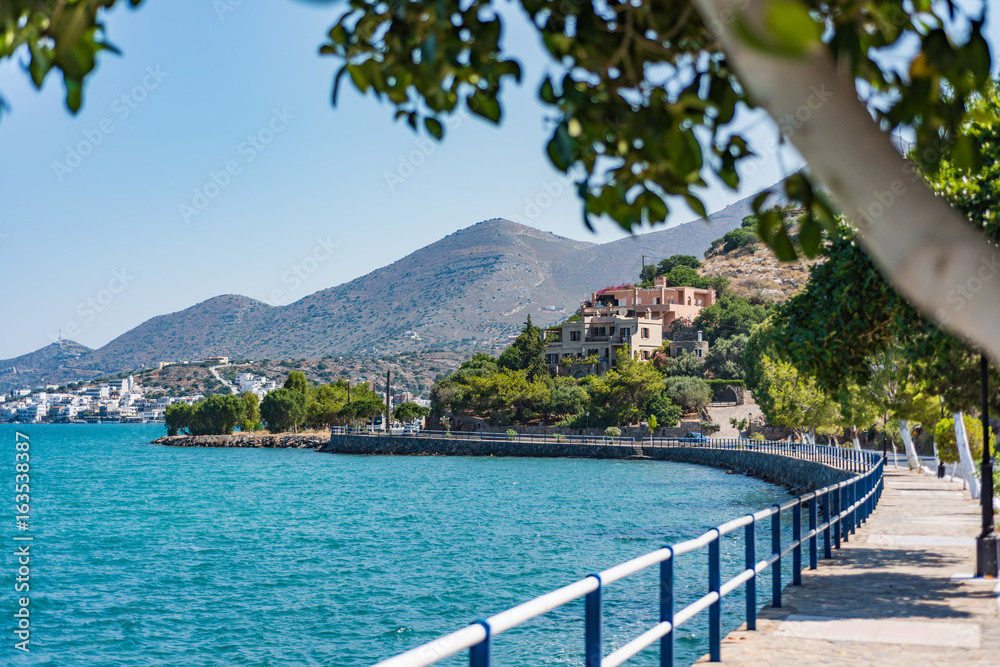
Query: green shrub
{"x": 944, "y": 437}
{"x": 708, "y": 428}
{"x": 757, "y": 436}
{"x": 613, "y": 432}
{"x": 511, "y": 434}
{"x": 691, "y": 393}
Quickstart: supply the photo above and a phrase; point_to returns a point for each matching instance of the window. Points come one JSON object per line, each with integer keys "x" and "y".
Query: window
{"x": 645, "y": 332}
{"x": 656, "y": 301}
{"x": 574, "y": 335}
{"x": 698, "y": 351}
{"x": 638, "y": 301}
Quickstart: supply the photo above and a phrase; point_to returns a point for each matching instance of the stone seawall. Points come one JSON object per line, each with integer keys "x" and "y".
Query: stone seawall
{"x": 249, "y": 440}
{"x": 798, "y": 475}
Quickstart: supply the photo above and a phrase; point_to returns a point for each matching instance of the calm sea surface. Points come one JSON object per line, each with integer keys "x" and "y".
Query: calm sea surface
{"x": 150, "y": 555}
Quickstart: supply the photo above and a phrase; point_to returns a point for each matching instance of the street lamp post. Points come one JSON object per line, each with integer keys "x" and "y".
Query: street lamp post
{"x": 940, "y": 469}
{"x": 885, "y": 441}
{"x": 987, "y": 557}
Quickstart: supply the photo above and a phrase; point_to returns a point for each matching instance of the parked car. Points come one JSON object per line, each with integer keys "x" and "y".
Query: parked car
{"x": 694, "y": 437}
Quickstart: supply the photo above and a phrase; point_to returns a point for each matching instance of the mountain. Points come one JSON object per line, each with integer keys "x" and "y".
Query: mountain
{"x": 57, "y": 363}
{"x": 472, "y": 289}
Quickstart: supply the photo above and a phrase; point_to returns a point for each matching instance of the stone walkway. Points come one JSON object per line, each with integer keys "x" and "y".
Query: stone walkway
{"x": 900, "y": 592}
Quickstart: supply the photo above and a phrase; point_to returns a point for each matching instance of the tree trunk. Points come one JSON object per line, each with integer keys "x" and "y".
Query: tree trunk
{"x": 924, "y": 247}
{"x": 854, "y": 437}
{"x": 912, "y": 460}
{"x": 968, "y": 467}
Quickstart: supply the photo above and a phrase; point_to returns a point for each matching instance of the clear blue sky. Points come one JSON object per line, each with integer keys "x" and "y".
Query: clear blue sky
{"x": 102, "y": 247}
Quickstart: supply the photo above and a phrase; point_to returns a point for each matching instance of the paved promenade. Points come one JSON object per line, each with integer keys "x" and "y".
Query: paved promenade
{"x": 900, "y": 592}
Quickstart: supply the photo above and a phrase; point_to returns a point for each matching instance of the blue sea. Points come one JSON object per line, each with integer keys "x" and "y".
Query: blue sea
{"x": 150, "y": 555}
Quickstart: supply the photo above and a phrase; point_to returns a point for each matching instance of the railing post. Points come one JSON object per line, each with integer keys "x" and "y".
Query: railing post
{"x": 592, "y": 626}
{"x": 813, "y": 541}
{"x": 827, "y": 547}
{"x": 667, "y": 609}
{"x": 479, "y": 655}
{"x": 837, "y": 528}
{"x": 750, "y": 537}
{"x": 866, "y": 503}
{"x": 776, "y": 551}
{"x": 715, "y": 610}
{"x": 797, "y": 538}
{"x": 852, "y": 499}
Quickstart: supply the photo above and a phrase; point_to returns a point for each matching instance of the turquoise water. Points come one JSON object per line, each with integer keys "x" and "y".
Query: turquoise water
{"x": 150, "y": 555}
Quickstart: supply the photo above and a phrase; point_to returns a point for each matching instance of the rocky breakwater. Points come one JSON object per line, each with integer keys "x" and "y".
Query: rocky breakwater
{"x": 264, "y": 440}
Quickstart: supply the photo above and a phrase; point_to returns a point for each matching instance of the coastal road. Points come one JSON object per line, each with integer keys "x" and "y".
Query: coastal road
{"x": 215, "y": 373}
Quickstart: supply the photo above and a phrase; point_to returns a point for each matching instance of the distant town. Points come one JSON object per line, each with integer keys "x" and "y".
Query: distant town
{"x": 125, "y": 400}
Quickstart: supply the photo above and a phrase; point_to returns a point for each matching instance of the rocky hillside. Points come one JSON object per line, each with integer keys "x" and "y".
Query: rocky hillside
{"x": 61, "y": 362}
{"x": 469, "y": 291}
{"x": 754, "y": 272}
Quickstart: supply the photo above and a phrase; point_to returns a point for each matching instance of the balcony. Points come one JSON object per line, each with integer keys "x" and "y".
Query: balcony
{"x": 597, "y": 339}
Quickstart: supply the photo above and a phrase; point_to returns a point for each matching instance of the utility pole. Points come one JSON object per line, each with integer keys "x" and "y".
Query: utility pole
{"x": 987, "y": 557}
{"x": 388, "y": 392}
{"x": 642, "y": 274}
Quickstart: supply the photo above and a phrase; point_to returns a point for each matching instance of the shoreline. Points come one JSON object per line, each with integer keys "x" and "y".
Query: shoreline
{"x": 246, "y": 441}
{"x": 796, "y": 475}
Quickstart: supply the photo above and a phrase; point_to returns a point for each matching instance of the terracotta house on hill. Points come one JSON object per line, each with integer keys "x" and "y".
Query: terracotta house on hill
{"x": 664, "y": 303}
{"x": 639, "y": 318}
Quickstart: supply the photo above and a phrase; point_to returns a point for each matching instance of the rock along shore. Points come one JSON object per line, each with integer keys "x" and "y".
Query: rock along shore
{"x": 246, "y": 440}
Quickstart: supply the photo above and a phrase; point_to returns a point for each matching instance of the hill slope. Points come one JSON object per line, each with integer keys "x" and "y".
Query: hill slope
{"x": 470, "y": 290}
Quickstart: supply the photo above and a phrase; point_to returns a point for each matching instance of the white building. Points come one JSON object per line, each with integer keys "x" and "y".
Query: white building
{"x": 102, "y": 391}
{"x": 255, "y": 384}
{"x": 31, "y": 413}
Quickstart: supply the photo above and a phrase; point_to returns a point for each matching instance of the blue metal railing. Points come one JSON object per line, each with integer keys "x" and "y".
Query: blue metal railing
{"x": 834, "y": 513}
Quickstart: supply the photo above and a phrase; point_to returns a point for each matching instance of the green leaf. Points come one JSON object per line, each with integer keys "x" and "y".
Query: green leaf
{"x": 768, "y": 223}
{"x": 434, "y": 127}
{"x": 696, "y": 205}
{"x": 978, "y": 56}
{"x": 357, "y": 73}
{"x": 484, "y": 105}
{"x": 547, "y": 93}
{"x": 782, "y": 245}
{"x": 759, "y": 200}
{"x": 74, "y": 94}
{"x": 965, "y": 154}
{"x": 790, "y": 23}
{"x": 560, "y": 148}
{"x": 810, "y": 235}
{"x": 791, "y": 31}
